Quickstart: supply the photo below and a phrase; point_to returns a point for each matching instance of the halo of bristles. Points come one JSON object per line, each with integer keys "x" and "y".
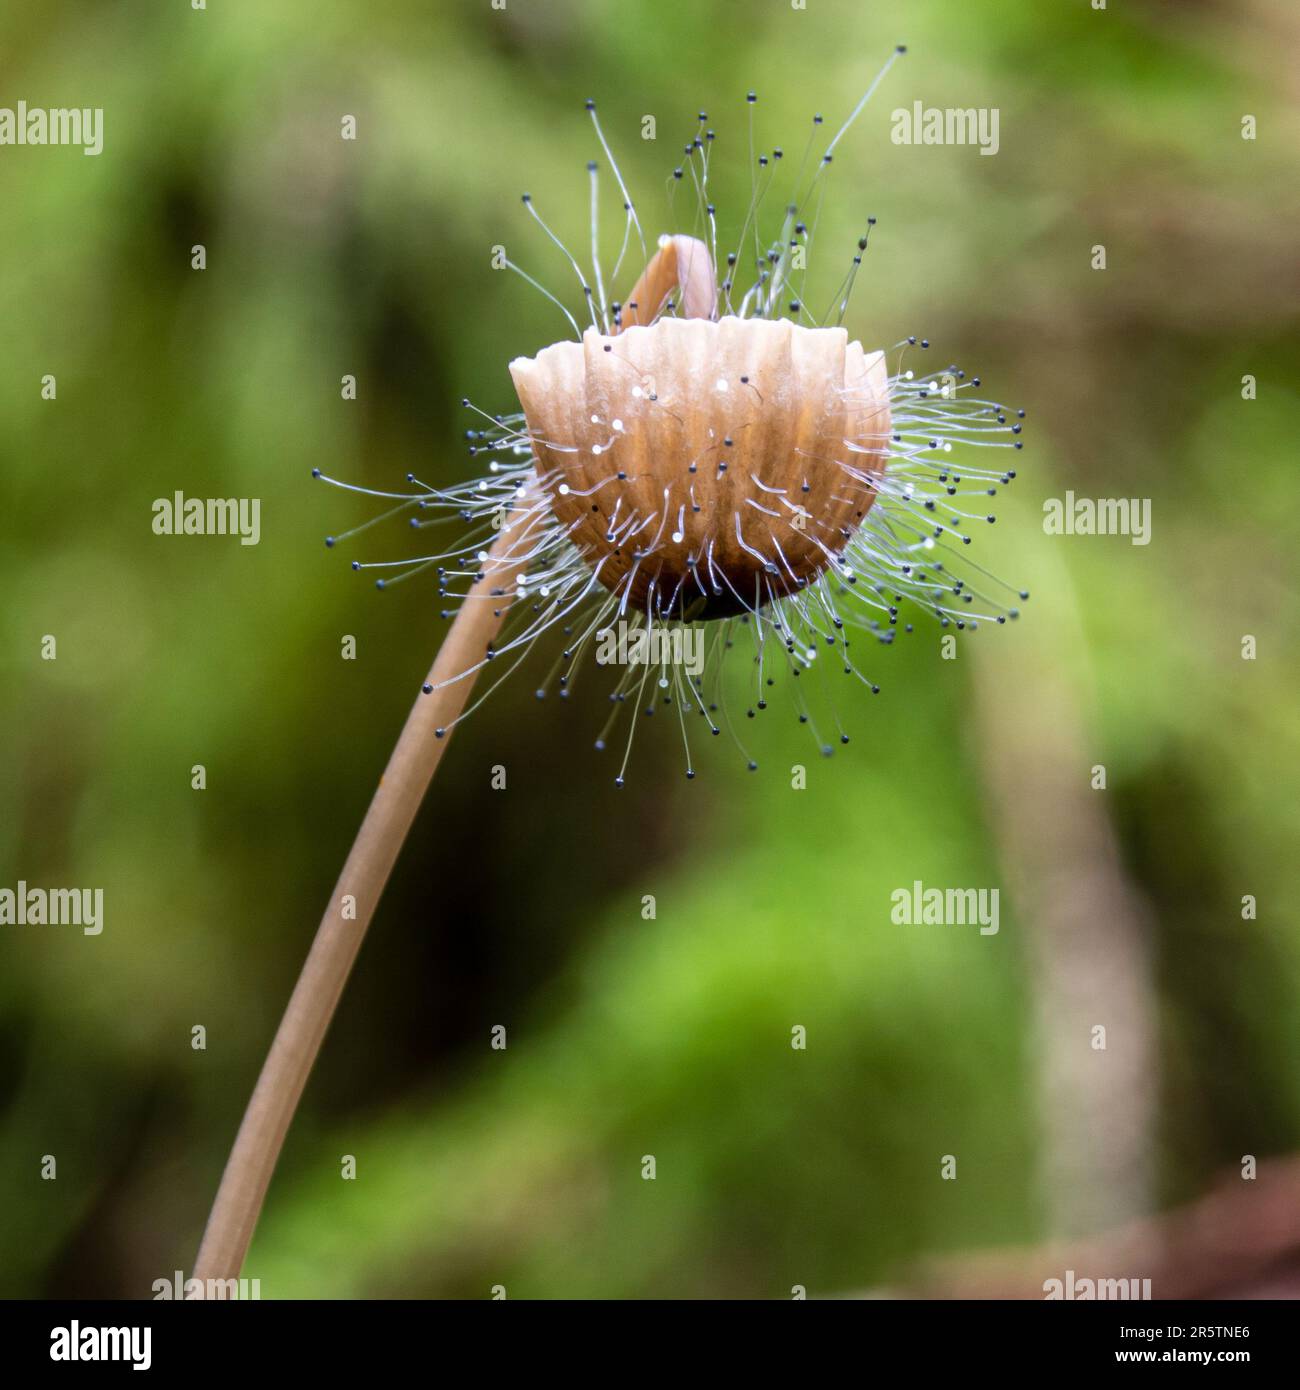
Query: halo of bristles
{"x": 701, "y": 461}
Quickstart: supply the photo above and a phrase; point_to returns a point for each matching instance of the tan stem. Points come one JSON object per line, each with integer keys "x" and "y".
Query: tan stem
{"x": 681, "y": 263}
{"x": 338, "y": 939}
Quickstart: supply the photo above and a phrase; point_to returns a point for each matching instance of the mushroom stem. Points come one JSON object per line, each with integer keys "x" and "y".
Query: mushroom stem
{"x": 681, "y": 263}
{"x": 392, "y": 810}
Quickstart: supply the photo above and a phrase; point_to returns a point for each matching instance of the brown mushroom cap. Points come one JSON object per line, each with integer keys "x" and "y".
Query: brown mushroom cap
{"x": 729, "y": 460}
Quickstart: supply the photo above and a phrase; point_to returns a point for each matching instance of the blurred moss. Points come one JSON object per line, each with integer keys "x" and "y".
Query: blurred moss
{"x": 627, "y": 1037}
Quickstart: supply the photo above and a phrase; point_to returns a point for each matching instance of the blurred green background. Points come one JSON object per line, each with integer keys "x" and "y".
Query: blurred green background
{"x": 776, "y": 1167}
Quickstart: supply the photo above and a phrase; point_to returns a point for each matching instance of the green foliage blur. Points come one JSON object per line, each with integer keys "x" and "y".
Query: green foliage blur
{"x": 627, "y": 1037}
